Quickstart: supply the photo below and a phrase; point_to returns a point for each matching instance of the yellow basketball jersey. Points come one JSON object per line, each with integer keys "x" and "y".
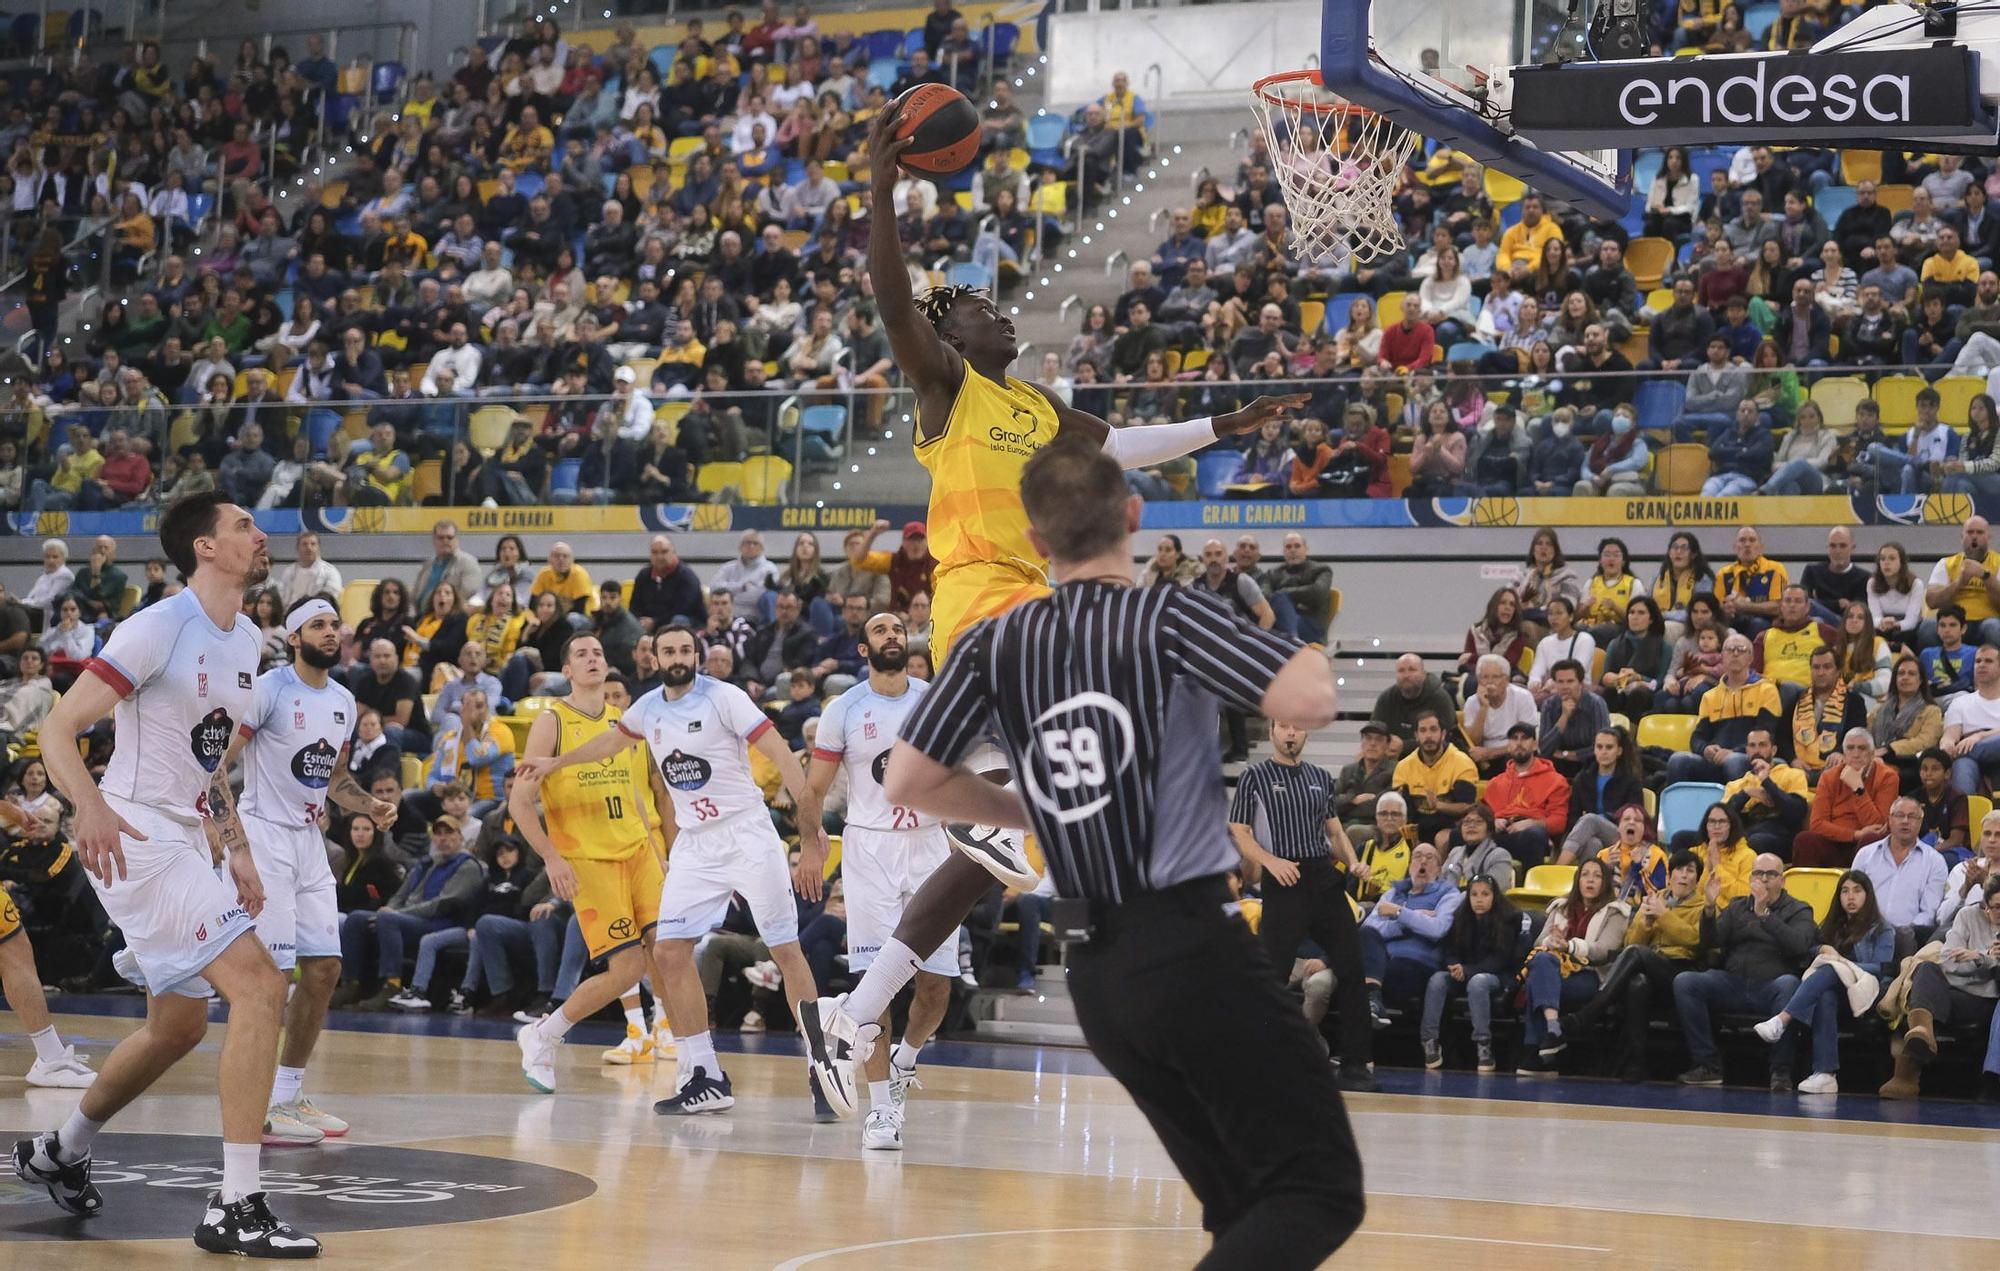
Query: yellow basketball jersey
{"x": 592, "y": 810}
{"x": 975, "y": 465}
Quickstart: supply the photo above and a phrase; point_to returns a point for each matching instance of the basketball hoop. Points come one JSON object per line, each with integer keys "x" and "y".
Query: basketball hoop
{"x": 1336, "y": 162}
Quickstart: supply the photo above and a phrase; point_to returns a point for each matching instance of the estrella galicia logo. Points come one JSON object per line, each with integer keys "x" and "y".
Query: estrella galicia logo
{"x": 880, "y": 766}
{"x": 313, "y": 766}
{"x": 210, "y": 738}
{"x": 683, "y": 771}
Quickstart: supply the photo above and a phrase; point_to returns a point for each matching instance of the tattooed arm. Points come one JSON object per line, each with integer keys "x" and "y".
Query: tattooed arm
{"x": 225, "y": 834}
{"x": 346, "y": 792}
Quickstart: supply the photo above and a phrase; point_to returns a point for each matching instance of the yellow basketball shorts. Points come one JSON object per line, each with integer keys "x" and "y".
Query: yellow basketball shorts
{"x": 972, "y": 592}
{"x": 10, "y": 918}
{"x": 617, "y": 902}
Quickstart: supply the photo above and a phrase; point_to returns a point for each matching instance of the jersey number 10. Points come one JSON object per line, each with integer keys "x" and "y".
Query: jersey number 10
{"x": 614, "y": 806}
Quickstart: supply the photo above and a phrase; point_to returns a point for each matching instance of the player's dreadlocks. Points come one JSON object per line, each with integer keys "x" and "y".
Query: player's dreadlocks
{"x": 936, "y": 303}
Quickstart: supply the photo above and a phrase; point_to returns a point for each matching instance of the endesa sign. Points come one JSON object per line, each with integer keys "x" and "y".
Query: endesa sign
{"x": 1772, "y": 97}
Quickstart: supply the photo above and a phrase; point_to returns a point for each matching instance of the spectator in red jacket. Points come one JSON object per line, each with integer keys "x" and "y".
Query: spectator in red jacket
{"x": 1529, "y": 798}
{"x": 126, "y": 473}
{"x": 1409, "y": 344}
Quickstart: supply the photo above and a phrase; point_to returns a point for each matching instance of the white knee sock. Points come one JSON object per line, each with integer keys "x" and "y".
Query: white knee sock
{"x": 75, "y": 1136}
{"x": 48, "y": 1046}
{"x": 697, "y": 1050}
{"x": 878, "y": 1094}
{"x": 285, "y": 1087}
{"x": 894, "y": 966}
{"x": 239, "y": 1171}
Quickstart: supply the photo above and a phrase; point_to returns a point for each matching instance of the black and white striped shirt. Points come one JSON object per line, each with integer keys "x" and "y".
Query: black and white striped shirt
{"x": 1106, "y": 700}
{"x": 1286, "y": 807}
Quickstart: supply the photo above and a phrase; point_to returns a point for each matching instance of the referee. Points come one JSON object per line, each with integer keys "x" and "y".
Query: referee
{"x": 1289, "y": 804}
{"x": 1105, "y": 697}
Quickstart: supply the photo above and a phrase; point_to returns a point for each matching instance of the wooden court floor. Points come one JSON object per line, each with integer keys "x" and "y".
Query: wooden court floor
{"x": 1047, "y": 1167}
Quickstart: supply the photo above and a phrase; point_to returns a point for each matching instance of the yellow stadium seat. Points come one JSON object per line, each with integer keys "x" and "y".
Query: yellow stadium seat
{"x": 517, "y": 730}
{"x": 964, "y": 200}
{"x": 412, "y": 772}
{"x": 765, "y": 478}
{"x": 642, "y": 178}
{"x": 1955, "y": 394}
{"x": 1052, "y": 198}
{"x": 488, "y": 427}
{"x": 1670, "y": 732}
{"x": 1680, "y": 468}
{"x": 1837, "y": 396}
{"x": 1857, "y": 166}
{"x": 1312, "y": 314}
{"x": 832, "y": 856}
{"x": 1816, "y": 887}
{"x": 836, "y": 170}
{"x": 1634, "y": 346}
{"x": 1650, "y": 260}
{"x": 488, "y": 188}
{"x": 333, "y": 192}
{"x": 1543, "y": 884}
{"x": 1659, "y": 299}
{"x": 795, "y": 240}
{"x": 354, "y": 600}
{"x": 1976, "y": 808}
{"x": 683, "y": 148}
{"x": 1894, "y": 197}
{"x": 714, "y": 478}
{"x": 1194, "y": 359}
{"x": 1503, "y": 188}
{"x": 1390, "y": 311}
{"x": 1897, "y": 396}
{"x": 427, "y": 480}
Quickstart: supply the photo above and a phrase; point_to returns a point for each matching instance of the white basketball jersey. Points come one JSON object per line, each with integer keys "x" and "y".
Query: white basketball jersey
{"x": 296, "y": 735}
{"x": 858, "y": 729}
{"x": 183, "y": 685}
{"x": 701, "y": 743}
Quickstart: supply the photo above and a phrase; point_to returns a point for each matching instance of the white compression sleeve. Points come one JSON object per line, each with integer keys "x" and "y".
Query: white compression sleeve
{"x": 1140, "y": 445}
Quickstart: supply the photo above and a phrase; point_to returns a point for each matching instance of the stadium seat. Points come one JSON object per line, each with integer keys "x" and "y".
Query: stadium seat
{"x": 765, "y": 478}
{"x": 829, "y": 422}
{"x": 1390, "y": 310}
{"x": 1543, "y": 884}
{"x": 1467, "y": 351}
{"x": 1312, "y": 313}
{"x": 386, "y": 80}
{"x": 1955, "y": 394}
{"x": 714, "y": 478}
{"x": 1894, "y": 197}
{"x": 1682, "y": 804}
{"x": 412, "y": 772}
{"x": 1213, "y": 470}
{"x": 1659, "y": 403}
{"x": 1897, "y": 396}
{"x": 882, "y": 44}
{"x": 1680, "y": 468}
{"x": 1045, "y": 134}
{"x": 1832, "y": 201}
{"x": 426, "y": 480}
{"x": 883, "y": 75}
{"x": 1837, "y": 395}
{"x": 1817, "y": 887}
{"x": 1002, "y": 38}
{"x": 1649, "y": 259}
{"x": 1050, "y": 198}
{"x": 1857, "y": 166}
{"x": 913, "y": 40}
{"x": 488, "y": 427}
{"x": 1669, "y": 732}
{"x": 661, "y": 56}
{"x": 563, "y": 478}
{"x": 965, "y": 273}
{"x": 1503, "y": 188}
{"x": 354, "y": 599}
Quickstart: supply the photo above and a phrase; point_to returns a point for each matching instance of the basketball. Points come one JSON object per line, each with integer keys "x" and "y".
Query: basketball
{"x": 945, "y": 126}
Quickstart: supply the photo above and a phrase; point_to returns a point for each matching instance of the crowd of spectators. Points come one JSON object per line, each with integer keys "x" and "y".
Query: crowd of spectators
{"x": 595, "y": 236}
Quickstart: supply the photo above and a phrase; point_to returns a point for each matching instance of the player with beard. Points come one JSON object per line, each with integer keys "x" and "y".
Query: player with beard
{"x": 887, "y": 851}
{"x": 700, "y": 730}
{"x": 977, "y": 428}
{"x": 295, "y": 744}
{"x": 180, "y": 676}
{"x": 598, "y": 843}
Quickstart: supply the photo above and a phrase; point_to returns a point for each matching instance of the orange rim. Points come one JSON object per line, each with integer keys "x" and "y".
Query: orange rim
{"x": 1263, "y": 88}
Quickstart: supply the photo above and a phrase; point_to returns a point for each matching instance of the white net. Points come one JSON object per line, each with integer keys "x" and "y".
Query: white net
{"x": 1338, "y": 165}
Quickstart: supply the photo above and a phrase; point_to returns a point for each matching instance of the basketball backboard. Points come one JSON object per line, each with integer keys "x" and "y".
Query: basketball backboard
{"x": 1443, "y": 69}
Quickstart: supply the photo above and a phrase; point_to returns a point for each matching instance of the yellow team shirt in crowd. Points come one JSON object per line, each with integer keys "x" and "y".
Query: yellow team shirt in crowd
{"x": 569, "y": 589}
{"x": 1435, "y": 780}
{"x": 480, "y": 780}
{"x": 1759, "y": 582}
{"x": 1607, "y": 601}
{"x": 1971, "y": 595}
{"x": 1786, "y": 656}
{"x": 1723, "y": 702}
{"x": 1962, "y": 267}
{"x": 592, "y": 810}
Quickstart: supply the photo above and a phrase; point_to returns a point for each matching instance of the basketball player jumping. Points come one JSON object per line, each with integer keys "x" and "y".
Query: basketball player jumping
{"x": 294, "y": 739}
{"x": 598, "y": 846}
{"x": 886, "y": 853}
{"x": 977, "y": 427}
{"x": 700, "y": 730}
{"x": 180, "y": 676}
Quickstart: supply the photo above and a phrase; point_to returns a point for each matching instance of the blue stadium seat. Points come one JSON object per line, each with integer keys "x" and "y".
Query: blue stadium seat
{"x": 1659, "y": 403}
{"x": 1682, "y": 804}
{"x": 1646, "y": 166}
{"x": 529, "y": 184}
{"x": 1213, "y": 470}
{"x": 1004, "y": 36}
{"x": 662, "y": 57}
{"x": 1045, "y": 134}
{"x": 882, "y": 73}
{"x": 1336, "y": 309}
{"x": 199, "y": 206}
{"x": 967, "y": 274}
{"x": 1832, "y": 201}
{"x": 882, "y": 44}
{"x": 563, "y": 477}
{"x": 913, "y": 40}
{"x": 1757, "y": 19}
{"x": 1704, "y": 161}
{"x": 26, "y": 27}
{"x": 386, "y": 79}
{"x": 827, "y": 421}
{"x": 1467, "y": 351}
{"x": 321, "y": 425}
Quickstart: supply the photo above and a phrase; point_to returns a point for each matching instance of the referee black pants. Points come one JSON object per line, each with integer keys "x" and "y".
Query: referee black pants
{"x": 1178, "y": 1001}
{"x": 1317, "y": 906}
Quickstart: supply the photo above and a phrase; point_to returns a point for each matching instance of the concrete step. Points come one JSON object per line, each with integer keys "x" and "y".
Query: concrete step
{"x": 1046, "y": 1015}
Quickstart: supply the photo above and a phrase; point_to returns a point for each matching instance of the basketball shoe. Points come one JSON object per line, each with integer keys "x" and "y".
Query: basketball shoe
{"x": 637, "y": 1048}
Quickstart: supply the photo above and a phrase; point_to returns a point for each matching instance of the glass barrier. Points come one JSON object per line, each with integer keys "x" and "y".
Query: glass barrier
{"x": 822, "y": 443}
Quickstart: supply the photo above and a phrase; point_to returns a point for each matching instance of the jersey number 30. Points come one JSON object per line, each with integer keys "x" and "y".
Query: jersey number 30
{"x": 1075, "y": 757}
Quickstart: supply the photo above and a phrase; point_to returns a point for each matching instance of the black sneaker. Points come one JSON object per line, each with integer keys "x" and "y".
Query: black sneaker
{"x": 1553, "y": 1045}
{"x": 537, "y": 1006}
{"x": 1357, "y": 1079}
{"x": 460, "y": 1004}
{"x": 822, "y": 1110}
{"x": 249, "y": 1229}
{"x": 700, "y": 1093}
{"x": 68, "y": 1185}
{"x": 1378, "y": 1013}
{"x": 1701, "y": 1075}
{"x": 1781, "y": 1083}
{"x": 1531, "y": 1064}
{"x": 1485, "y": 1048}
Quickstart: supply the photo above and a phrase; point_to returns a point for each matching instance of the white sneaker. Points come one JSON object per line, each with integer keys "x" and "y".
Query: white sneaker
{"x": 282, "y": 1129}
{"x": 829, "y": 1036}
{"x": 411, "y": 1000}
{"x": 883, "y": 1131}
{"x": 637, "y": 1048}
{"x": 538, "y": 1058}
{"x": 1772, "y": 1029}
{"x": 901, "y": 1080}
{"x": 1820, "y": 1083}
{"x": 764, "y": 975}
{"x": 752, "y": 1023}
{"x": 67, "y": 1073}
{"x": 1001, "y": 853}
{"x": 303, "y": 1109}
{"x": 663, "y": 1041}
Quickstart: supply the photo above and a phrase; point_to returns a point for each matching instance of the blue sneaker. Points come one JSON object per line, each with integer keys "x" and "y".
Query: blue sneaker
{"x": 698, "y": 1094}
